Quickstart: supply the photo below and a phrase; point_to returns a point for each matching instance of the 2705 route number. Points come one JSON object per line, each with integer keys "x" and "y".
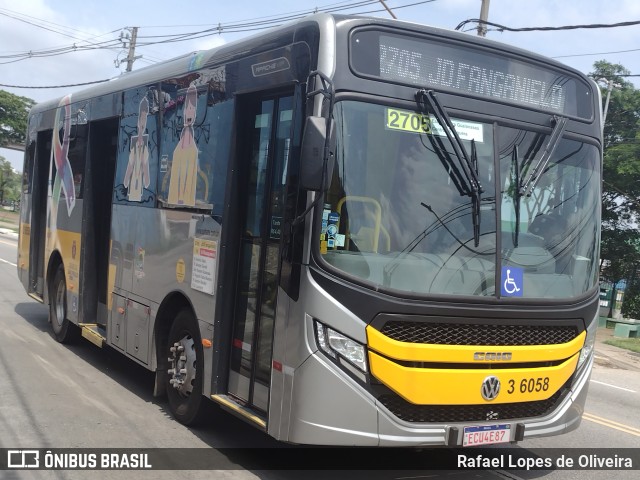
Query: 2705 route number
{"x": 529, "y": 385}
{"x": 408, "y": 121}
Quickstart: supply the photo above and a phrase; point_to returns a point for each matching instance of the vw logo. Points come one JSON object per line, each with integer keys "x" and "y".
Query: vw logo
{"x": 490, "y": 388}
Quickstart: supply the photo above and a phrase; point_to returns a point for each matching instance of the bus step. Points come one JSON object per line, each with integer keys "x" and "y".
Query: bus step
{"x": 245, "y": 413}
{"x": 94, "y": 333}
{"x": 35, "y": 296}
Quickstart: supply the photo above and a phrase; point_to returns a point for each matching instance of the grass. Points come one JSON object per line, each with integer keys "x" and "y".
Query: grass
{"x": 9, "y": 219}
{"x": 632, "y": 344}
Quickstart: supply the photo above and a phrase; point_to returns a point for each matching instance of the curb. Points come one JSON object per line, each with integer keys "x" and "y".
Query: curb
{"x": 611, "y": 356}
{"x": 604, "y": 360}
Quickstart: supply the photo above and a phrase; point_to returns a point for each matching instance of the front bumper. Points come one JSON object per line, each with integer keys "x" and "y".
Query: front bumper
{"x": 330, "y": 408}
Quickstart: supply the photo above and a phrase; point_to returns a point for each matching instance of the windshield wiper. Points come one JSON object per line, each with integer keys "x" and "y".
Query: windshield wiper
{"x": 460, "y": 242}
{"x": 475, "y": 199}
{"x": 515, "y": 184}
{"x": 469, "y": 166}
{"x": 449, "y": 165}
{"x": 526, "y": 188}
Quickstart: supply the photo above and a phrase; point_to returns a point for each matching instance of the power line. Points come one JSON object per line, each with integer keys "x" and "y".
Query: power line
{"x": 260, "y": 23}
{"x": 55, "y": 86}
{"x": 501, "y": 28}
{"x": 87, "y": 40}
{"x": 36, "y": 25}
{"x": 317, "y": 9}
{"x": 73, "y": 48}
{"x": 275, "y": 22}
{"x": 45, "y": 52}
{"x": 593, "y": 54}
{"x": 19, "y": 14}
{"x": 393, "y": 15}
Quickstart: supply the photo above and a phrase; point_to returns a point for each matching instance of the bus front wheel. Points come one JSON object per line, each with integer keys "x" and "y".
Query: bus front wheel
{"x": 185, "y": 369}
{"x": 64, "y": 330}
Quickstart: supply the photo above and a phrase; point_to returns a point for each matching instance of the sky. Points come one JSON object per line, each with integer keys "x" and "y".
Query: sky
{"x": 52, "y": 26}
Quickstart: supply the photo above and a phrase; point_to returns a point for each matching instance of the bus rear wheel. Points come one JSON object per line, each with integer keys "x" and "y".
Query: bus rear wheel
{"x": 185, "y": 369}
{"x": 64, "y": 330}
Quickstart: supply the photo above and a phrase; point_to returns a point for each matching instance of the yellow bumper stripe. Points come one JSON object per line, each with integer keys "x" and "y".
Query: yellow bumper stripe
{"x": 435, "y": 386}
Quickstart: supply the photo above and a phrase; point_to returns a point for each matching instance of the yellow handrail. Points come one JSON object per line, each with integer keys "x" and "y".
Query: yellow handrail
{"x": 377, "y": 216}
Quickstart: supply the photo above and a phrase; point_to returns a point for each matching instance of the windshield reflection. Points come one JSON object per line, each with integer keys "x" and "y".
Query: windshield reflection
{"x": 396, "y": 218}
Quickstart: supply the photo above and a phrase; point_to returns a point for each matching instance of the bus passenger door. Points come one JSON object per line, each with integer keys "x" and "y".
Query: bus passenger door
{"x": 38, "y": 230}
{"x": 264, "y": 145}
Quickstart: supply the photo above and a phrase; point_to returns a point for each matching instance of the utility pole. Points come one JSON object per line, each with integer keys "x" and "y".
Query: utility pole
{"x": 131, "y": 57}
{"x": 606, "y": 102}
{"x": 388, "y": 10}
{"x": 610, "y": 86}
{"x": 484, "y": 16}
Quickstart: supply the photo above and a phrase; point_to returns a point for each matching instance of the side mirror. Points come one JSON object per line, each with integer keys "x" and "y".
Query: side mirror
{"x": 312, "y": 153}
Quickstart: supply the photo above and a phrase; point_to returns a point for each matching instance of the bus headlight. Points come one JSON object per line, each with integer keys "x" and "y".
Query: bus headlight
{"x": 589, "y": 343}
{"x": 338, "y": 346}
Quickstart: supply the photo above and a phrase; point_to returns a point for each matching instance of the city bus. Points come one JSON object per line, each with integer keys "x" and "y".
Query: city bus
{"x": 345, "y": 231}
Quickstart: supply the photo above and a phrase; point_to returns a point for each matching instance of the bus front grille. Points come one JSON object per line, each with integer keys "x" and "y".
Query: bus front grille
{"x": 468, "y": 413}
{"x": 478, "y": 334}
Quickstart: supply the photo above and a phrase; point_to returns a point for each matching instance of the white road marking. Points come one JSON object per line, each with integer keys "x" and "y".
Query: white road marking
{"x": 5, "y": 261}
{"x": 614, "y": 386}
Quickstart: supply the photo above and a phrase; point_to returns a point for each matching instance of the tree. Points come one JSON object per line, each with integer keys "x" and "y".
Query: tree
{"x": 621, "y": 174}
{"x": 631, "y": 304}
{"x": 13, "y": 117}
{"x": 9, "y": 181}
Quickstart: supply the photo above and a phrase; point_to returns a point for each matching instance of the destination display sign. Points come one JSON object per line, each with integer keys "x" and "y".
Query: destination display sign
{"x": 470, "y": 71}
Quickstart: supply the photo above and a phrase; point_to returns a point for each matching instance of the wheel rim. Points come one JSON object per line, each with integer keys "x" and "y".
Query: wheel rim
{"x": 182, "y": 365}
{"x": 59, "y": 306}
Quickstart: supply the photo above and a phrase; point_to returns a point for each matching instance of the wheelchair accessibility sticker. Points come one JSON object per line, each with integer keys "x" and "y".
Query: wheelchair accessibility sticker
{"x": 512, "y": 281}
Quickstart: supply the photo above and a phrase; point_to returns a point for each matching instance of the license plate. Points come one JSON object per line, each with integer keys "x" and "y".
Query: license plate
{"x": 486, "y": 435}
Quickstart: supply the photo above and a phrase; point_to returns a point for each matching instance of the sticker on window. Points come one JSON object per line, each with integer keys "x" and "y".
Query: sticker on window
{"x": 465, "y": 130}
{"x": 408, "y": 121}
{"x": 512, "y": 280}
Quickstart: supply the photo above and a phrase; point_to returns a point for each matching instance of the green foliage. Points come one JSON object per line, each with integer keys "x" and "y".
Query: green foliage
{"x": 9, "y": 182}
{"x": 620, "y": 248}
{"x": 13, "y": 117}
{"x": 621, "y": 182}
{"x": 631, "y": 303}
{"x": 632, "y": 344}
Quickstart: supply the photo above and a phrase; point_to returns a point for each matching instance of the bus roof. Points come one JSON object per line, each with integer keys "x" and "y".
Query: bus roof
{"x": 249, "y": 45}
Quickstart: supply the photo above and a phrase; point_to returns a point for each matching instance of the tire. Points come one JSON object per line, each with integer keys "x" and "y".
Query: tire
{"x": 64, "y": 330}
{"x": 185, "y": 369}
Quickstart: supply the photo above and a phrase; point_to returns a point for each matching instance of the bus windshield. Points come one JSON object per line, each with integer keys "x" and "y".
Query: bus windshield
{"x": 400, "y": 213}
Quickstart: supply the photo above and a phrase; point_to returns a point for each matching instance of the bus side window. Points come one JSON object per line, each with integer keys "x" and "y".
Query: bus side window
{"x": 27, "y": 175}
{"x": 195, "y": 145}
{"x": 77, "y": 157}
{"x": 137, "y": 151}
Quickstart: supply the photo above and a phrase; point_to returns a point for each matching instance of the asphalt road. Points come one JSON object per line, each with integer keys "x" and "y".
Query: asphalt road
{"x": 80, "y": 396}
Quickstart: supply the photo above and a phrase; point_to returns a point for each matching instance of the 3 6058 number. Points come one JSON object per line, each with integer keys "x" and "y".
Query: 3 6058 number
{"x": 529, "y": 385}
